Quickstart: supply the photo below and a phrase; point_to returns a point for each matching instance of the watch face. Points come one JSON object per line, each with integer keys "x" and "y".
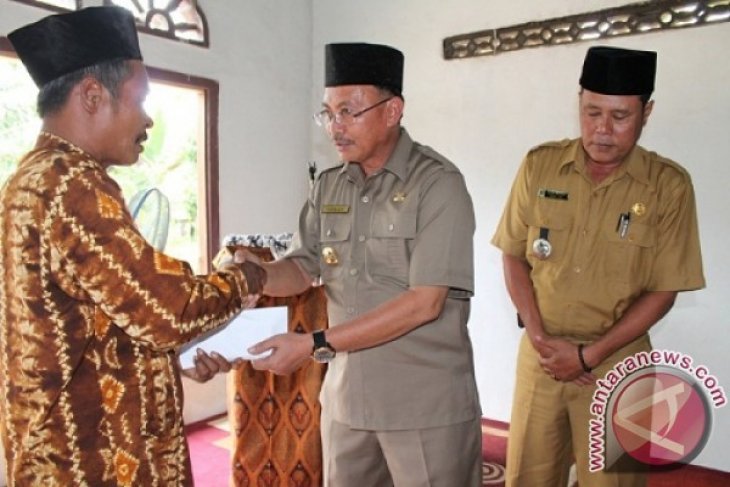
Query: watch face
{"x": 323, "y": 355}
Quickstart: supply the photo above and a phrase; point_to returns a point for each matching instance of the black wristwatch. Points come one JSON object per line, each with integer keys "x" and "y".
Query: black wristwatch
{"x": 322, "y": 351}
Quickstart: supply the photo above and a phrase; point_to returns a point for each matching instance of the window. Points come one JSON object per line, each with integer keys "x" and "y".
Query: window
{"x": 180, "y": 158}
{"x": 19, "y": 124}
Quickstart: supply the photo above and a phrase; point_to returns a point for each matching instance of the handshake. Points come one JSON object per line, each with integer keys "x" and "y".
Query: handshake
{"x": 249, "y": 264}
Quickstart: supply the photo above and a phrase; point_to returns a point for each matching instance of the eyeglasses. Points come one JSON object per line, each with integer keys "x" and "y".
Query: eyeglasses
{"x": 344, "y": 116}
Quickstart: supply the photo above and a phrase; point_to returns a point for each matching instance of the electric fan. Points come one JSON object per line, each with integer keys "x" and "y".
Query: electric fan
{"x": 150, "y": 210}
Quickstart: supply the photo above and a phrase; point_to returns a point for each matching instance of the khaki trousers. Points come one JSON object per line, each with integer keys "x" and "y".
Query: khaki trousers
{"x": 550, "y": 426}
{"x": 449, "y": 456}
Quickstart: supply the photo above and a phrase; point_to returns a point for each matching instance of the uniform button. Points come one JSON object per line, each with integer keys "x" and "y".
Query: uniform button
{"x": 577, "y": 270}
{"x": 361, "y": 238}
{"x": 350, "y": 310}
{"x": 365, "y": 199}
{"x": 584, "y": 232}
{"x": 353, "y": 272}
{"x": 391, "y": 227}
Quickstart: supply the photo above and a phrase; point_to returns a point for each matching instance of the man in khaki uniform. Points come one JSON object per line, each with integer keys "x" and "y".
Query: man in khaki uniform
{"x": 598, "y": 237}
{"x": 389, "y": 232}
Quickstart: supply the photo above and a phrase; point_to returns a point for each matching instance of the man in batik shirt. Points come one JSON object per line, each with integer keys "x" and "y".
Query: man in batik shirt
{"x": 91, "y": 315}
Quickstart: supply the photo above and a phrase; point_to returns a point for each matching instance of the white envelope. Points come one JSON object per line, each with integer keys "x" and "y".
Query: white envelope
{"x": 232, "y": 340}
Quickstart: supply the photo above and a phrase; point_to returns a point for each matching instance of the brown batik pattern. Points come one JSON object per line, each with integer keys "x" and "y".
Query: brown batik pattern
{"x": 90, "y": 319}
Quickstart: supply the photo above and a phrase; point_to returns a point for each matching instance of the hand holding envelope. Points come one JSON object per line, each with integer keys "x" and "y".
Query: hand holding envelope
{"x": 233, "y": 340}
{"x": 208, "y": 365}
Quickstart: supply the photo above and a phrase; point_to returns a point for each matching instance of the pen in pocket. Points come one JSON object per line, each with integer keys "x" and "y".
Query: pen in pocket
{"x": 622, "y": 227}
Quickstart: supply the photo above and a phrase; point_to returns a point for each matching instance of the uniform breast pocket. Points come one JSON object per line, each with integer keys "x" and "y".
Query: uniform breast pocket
{"x": 629, "y": 259}
{"x": 389, "y": 249}
{"x": 552, "y": 225}
{"x": 334, "y": 248}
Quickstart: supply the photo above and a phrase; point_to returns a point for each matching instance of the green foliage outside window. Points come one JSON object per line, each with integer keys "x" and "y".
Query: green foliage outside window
{"x": 19, "y": 123}
{"x": 168, "y": 163}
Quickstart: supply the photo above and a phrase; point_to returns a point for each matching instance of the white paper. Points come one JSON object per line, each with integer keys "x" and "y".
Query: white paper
{"x": 233, "y": 340}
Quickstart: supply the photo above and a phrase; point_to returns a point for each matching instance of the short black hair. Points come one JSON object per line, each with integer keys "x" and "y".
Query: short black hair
{"x": 388, "y": 91}
{"x": 643, "y": 98}
{"x": 53, "y": 95}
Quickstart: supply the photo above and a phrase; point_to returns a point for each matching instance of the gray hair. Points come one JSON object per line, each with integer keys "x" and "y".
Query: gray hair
{"x": 53, "y": 95}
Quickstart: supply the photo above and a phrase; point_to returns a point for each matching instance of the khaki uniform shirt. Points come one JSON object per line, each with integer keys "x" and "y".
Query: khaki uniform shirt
{"x": 595, "y": 270}
{"x": 90, "y": 316}
{"x": 410, "y": 224}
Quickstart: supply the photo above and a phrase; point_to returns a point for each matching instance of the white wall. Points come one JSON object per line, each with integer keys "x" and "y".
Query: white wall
{"x": 485, "y": 113}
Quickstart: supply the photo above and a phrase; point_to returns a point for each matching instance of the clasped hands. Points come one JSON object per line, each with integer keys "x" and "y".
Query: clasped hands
{"x": 559, "y": 359}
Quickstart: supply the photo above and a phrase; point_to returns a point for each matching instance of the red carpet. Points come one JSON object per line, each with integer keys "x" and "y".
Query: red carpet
{"x": 494, "y": 452}
{"x": 209, "y": 450}
{"x": 209, "y": 455}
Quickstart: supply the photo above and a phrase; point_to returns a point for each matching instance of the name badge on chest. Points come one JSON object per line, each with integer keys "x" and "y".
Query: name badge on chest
{"x": 335, "y": 209}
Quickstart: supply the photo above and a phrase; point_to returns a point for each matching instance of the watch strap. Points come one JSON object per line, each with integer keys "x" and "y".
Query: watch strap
{"x": 320, "y": 340}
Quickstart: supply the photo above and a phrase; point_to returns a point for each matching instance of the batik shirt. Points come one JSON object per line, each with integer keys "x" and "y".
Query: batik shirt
{"x": 90, "y": 319}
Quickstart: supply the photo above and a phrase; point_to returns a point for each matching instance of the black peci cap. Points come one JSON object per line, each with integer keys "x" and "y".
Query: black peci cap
{"x": 616, "y": 71}
{"x": 61, "y": 44}
{"x": 364, "y": 64}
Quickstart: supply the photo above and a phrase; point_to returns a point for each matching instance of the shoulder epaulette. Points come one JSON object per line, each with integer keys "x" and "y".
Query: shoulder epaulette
{"x": 554, "y": 144}
{"x": 328, "y": 170}
{"x": 435, "y": 156}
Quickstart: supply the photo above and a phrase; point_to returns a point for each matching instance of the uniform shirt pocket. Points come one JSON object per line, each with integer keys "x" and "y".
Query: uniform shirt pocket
{"x": 389, "y": 249}
{"x": 334, "y": 248}
{"x": 557, "y": 223}
{"x": 629, "y": 259}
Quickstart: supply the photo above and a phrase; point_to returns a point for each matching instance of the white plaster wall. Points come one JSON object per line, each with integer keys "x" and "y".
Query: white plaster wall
{"x": 485, "y": 113}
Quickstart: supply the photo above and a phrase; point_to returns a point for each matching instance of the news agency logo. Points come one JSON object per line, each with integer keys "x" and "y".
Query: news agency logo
{"x": 652, "y": 409}
{"x": 661, "y": 417}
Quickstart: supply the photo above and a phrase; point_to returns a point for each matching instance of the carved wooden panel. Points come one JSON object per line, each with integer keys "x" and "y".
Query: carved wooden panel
{"x": 635, "y": 18}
